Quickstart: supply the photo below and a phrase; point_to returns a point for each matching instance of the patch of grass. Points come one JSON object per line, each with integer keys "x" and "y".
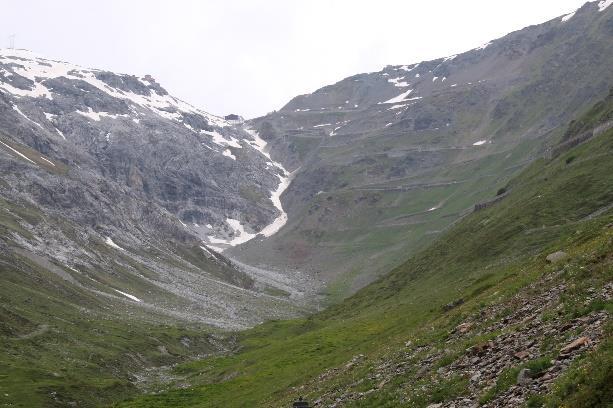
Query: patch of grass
{"x": 588, "y": 381}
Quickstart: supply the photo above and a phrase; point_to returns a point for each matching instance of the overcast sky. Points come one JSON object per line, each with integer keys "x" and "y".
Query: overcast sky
{"x": 250, "y": 57}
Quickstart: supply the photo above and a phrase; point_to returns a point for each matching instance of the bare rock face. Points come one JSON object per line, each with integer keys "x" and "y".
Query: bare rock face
{"x": 108, "y": 172}
{"x": 128, "y": 130}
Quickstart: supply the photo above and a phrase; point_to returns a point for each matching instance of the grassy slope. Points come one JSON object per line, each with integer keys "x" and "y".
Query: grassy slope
{"x": 61, "y": 343}
{"x": 484, "y": 259}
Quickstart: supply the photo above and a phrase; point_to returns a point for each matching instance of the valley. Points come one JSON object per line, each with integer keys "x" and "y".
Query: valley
{"x": 436, "y": 234}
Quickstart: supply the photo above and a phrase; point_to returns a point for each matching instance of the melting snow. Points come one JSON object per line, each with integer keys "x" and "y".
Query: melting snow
{"x": 23, "y": 156}
{"x": 229, "y": 154}
{"x": 407, "y": 69}
{"x": 97, "y": 116}
{"x": 568, "y": 16}
{"x": 397, "y": 83}
{"x": 27, "y": 118}
{"x": 323, "y": 124}
{"x": 128, "y": 295}
{"x": 480, "y": 142}
{"x": 48, "y": 161}
{"x": 110, "y": 243}
{"x": 604, "y": 4}
{"x": 243, "y": 236}
{"x": 275, "y": 196}
{"x": 222, "y": 141}
{"x": 434, "y": 78}
{"x": 38, "y": 69}
{"x": 399, "y": 98}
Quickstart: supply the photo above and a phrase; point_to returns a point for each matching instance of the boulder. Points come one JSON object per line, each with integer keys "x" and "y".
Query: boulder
{"x": 556, "y": 257}
{"x": 580, "y": 342}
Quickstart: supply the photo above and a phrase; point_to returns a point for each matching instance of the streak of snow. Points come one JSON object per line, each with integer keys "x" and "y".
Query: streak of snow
{"x": 568, "y": 16}
{"x": 275, "y": 196}
{"x": 480, "y": 142}
{"x": 48, "y": 161}
{"x": 27, "y": 118}
{"x": 128, "y": 295}
{"x": 20, "y": 154}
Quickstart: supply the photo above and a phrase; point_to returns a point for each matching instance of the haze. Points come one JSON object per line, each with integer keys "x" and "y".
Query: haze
{"x": 251, "y": 57}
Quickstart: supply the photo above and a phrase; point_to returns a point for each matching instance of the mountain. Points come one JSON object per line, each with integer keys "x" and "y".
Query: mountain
{"x": 116, "y": 200}
{"x": 454, "y": 214}
{"x": 386, "y": 161}
{"x": 510, "y": 307}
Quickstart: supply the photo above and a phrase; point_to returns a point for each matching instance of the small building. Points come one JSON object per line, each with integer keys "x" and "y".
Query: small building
{"x": 234, "y": 118}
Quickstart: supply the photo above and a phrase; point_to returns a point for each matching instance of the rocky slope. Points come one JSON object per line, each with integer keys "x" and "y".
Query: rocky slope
{"x": 388, "y": 160}
{"x": 510, "y": 307}
{"x": 126, "y": 192}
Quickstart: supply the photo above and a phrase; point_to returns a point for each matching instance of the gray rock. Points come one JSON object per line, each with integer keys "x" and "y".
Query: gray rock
{"x": 556, "y": 257}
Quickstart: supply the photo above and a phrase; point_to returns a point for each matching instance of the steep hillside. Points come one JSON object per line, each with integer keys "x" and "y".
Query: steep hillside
{"x": 509, "y": 307}
{"x": 114, "y": 198}
{"x": 386, "y": 161}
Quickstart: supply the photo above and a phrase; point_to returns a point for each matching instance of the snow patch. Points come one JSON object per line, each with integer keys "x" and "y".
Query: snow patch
{"x": 97, "y": 116}
{"x": 221, "y": 140}
{"x": 602, "y": 5}
{"x": 112, "y": 244}
{"x": 400, "y": 98}
{"x": 398, "y": 83}
{"x": 480, "y": 142}
{"x": 229, "y": 154}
